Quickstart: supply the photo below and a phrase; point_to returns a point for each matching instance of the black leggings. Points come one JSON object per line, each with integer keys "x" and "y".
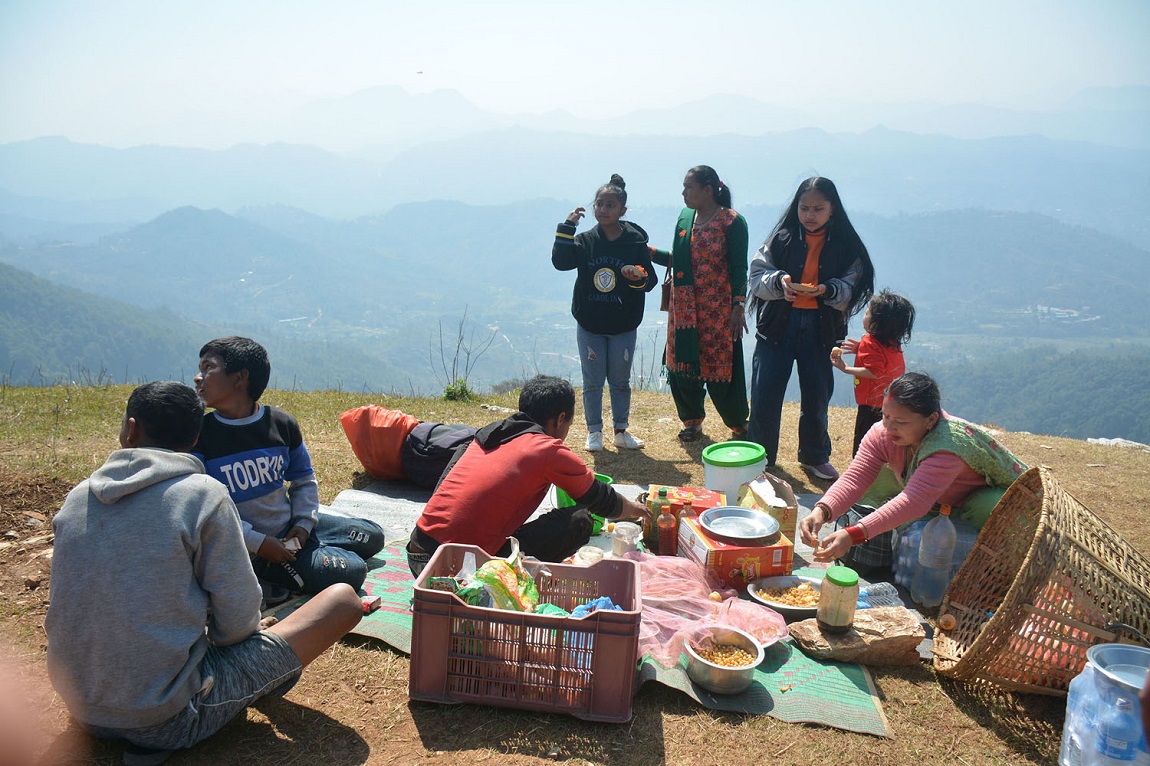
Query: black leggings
{"x": 867, "y": 416}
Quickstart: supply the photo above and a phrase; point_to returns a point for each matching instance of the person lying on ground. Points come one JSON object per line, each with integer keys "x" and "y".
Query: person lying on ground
{"x": 496, "y": 484}
{"x": 153, "y": 609}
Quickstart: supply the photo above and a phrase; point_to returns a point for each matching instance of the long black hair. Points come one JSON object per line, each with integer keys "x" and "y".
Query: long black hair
{"x": 839, "y": 226}
{"x": 705, "y": 175}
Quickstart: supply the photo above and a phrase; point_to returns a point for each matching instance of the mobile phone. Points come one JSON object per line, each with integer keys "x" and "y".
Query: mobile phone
{"x": 292, "y": 544}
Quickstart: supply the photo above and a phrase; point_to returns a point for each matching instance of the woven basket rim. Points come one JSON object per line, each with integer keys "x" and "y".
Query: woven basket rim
{"x": 991, "y": 642}
{"x": 1002, "y": 613}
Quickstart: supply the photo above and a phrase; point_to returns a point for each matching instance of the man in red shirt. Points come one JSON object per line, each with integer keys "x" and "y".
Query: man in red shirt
{"x": 490, "y": 490}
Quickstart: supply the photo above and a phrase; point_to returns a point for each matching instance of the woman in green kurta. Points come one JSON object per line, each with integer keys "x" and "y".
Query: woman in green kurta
{"x": 705, "y": 322}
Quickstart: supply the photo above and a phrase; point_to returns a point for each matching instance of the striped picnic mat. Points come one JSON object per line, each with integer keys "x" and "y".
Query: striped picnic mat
{"x": 788, "y": 685}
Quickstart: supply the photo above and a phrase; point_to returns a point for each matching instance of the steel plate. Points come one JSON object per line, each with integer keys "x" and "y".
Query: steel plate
{"x": 741, "y": 525}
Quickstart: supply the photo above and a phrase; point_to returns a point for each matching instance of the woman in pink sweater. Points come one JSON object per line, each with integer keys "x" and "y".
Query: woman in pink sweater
{"x": 918, "y": 457}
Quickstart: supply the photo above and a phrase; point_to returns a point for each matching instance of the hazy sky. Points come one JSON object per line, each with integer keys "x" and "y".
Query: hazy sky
{"x": 99, "y": 70}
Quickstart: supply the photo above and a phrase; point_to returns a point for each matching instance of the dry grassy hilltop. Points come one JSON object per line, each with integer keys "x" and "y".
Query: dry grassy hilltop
{"x": 351, "y": 706}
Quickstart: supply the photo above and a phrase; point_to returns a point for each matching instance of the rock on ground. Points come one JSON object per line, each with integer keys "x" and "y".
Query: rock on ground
{"x": 886, "y": 635}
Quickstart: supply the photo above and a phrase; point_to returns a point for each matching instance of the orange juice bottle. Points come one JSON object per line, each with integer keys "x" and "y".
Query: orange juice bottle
{"x": 668, "y": 532}
{"x": 658, "y": 504}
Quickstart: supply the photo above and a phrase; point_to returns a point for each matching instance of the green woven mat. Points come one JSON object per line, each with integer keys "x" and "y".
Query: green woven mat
{"x": 792, "y": 687}
{"x": 788, "y": 685}
{"x": 389, "y": 578}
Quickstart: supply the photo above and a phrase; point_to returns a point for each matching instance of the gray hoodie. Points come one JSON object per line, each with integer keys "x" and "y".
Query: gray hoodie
{"x": 149, "y": 566}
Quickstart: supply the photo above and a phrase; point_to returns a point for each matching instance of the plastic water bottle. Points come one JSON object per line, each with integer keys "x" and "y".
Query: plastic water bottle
{"x": 879, "y": 594}
{"x": 1081, "y": 719}
{"x": 966, "y": 536}
{"x": 935, "y": 551}
{"x": 1119, "y": 734}
{"x": 906, "y": 553}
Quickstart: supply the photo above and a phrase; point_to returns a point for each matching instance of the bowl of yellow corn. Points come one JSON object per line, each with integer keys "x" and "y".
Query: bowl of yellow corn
{"x": 722, "y": 659}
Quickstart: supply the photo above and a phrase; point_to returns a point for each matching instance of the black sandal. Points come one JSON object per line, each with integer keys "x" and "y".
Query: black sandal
{"x": 690, "y": 433}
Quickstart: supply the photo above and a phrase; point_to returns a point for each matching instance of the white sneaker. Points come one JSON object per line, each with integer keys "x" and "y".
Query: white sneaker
{"x": 595, "y": 441}
{"x": 626, "y": 441}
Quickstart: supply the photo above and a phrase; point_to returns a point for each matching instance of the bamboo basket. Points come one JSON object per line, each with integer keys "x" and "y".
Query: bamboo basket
{"x": 1046, "y": 580}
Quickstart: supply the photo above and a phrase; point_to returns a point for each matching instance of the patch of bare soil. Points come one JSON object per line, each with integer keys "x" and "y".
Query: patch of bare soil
{"x": 27, "y": 504}
{"x": 29, "y": 712}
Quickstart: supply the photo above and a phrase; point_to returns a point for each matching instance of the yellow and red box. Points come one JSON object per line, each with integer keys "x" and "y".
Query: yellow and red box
{"x": 773, "y": 495}
{"x": 734, "y": 565}
{"x": 701, "y": 499}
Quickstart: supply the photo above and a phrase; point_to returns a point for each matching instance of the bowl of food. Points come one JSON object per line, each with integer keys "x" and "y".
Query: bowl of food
{"x": 722, "y": 659}
{"x": 795, "y": 597}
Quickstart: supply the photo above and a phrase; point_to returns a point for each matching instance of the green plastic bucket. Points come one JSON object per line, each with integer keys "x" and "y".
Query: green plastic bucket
{"x": 563, "y": 500}
{"x": 729, "y": 465}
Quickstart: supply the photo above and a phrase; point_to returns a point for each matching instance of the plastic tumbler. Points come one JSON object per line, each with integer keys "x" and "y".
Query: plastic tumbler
{"x": 627, "y": 536}
{"x": 563, "y": 500}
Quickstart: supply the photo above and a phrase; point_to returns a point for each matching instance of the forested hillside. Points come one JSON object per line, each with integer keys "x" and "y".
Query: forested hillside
{"x": 51, "y": 334}
{"x": 1079, "y": 394}
{"x": 378, "y": 304}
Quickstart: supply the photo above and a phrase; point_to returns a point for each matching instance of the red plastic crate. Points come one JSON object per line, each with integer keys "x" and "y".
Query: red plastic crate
{"x": 581, "y": 667}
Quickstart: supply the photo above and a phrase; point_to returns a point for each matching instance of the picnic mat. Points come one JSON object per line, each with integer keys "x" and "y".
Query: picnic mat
{"x": 792, "y": 687}
{"x": 389, "y": 578}
{"x": 788, "y": 685}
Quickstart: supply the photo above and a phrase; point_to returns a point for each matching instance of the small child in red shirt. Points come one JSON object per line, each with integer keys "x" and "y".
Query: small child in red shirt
{"x": 878, "y": 356}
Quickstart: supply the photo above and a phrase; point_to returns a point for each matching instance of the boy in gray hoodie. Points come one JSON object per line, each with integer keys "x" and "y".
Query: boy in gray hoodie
{"x": 153, "y": 622}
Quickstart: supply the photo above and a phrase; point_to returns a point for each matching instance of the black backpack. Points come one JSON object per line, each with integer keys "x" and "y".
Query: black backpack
{"x": 429, "y": 448}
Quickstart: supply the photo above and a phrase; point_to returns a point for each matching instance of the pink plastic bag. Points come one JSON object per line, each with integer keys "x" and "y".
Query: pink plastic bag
{"x": 677, "y": 602}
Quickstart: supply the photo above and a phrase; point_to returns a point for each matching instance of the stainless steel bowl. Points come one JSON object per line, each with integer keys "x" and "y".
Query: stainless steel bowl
{"x": 755, "y": 590}
{"x": 740, "y": 525}
{"x": 720, "y": 679}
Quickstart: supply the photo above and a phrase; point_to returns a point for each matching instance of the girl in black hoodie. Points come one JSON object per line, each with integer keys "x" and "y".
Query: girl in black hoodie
{"x": 613, "y": 261}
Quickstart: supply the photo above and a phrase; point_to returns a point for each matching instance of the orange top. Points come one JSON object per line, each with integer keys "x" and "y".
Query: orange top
{"x": 815, "y": 242}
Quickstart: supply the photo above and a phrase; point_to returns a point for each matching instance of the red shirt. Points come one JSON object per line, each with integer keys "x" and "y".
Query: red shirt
{"x": 885, "y": 362}
{"x": 490, "y": 493}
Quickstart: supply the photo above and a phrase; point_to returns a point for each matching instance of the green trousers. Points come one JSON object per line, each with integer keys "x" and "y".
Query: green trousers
{"x": 729, "y": 397}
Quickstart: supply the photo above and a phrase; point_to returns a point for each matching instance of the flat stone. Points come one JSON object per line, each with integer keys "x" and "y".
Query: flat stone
{"x": 885, "y": 635}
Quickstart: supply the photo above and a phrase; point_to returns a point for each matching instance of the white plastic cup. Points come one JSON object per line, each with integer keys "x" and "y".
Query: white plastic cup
{"x": 588, "y": 555}
{"x": 627, "y": 536}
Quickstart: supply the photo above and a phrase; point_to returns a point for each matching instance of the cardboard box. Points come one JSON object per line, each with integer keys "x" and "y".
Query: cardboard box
{"x": 734, "y": 565}
{"x": 773, "y": 495}
{"x": 701, "y": 499}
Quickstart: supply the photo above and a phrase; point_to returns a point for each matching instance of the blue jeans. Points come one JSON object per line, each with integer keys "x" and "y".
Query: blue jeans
{"x": 335, "y": 552}
{"x": 606, "y": 357}
{"x": 771, "y": 370}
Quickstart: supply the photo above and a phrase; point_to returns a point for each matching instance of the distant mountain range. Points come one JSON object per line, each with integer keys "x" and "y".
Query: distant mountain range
{"x": 357, "y": 263}
{"x": 880, "y": 171}
{"x": 964, "y": 269}
{"x": 379, "y": 122}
